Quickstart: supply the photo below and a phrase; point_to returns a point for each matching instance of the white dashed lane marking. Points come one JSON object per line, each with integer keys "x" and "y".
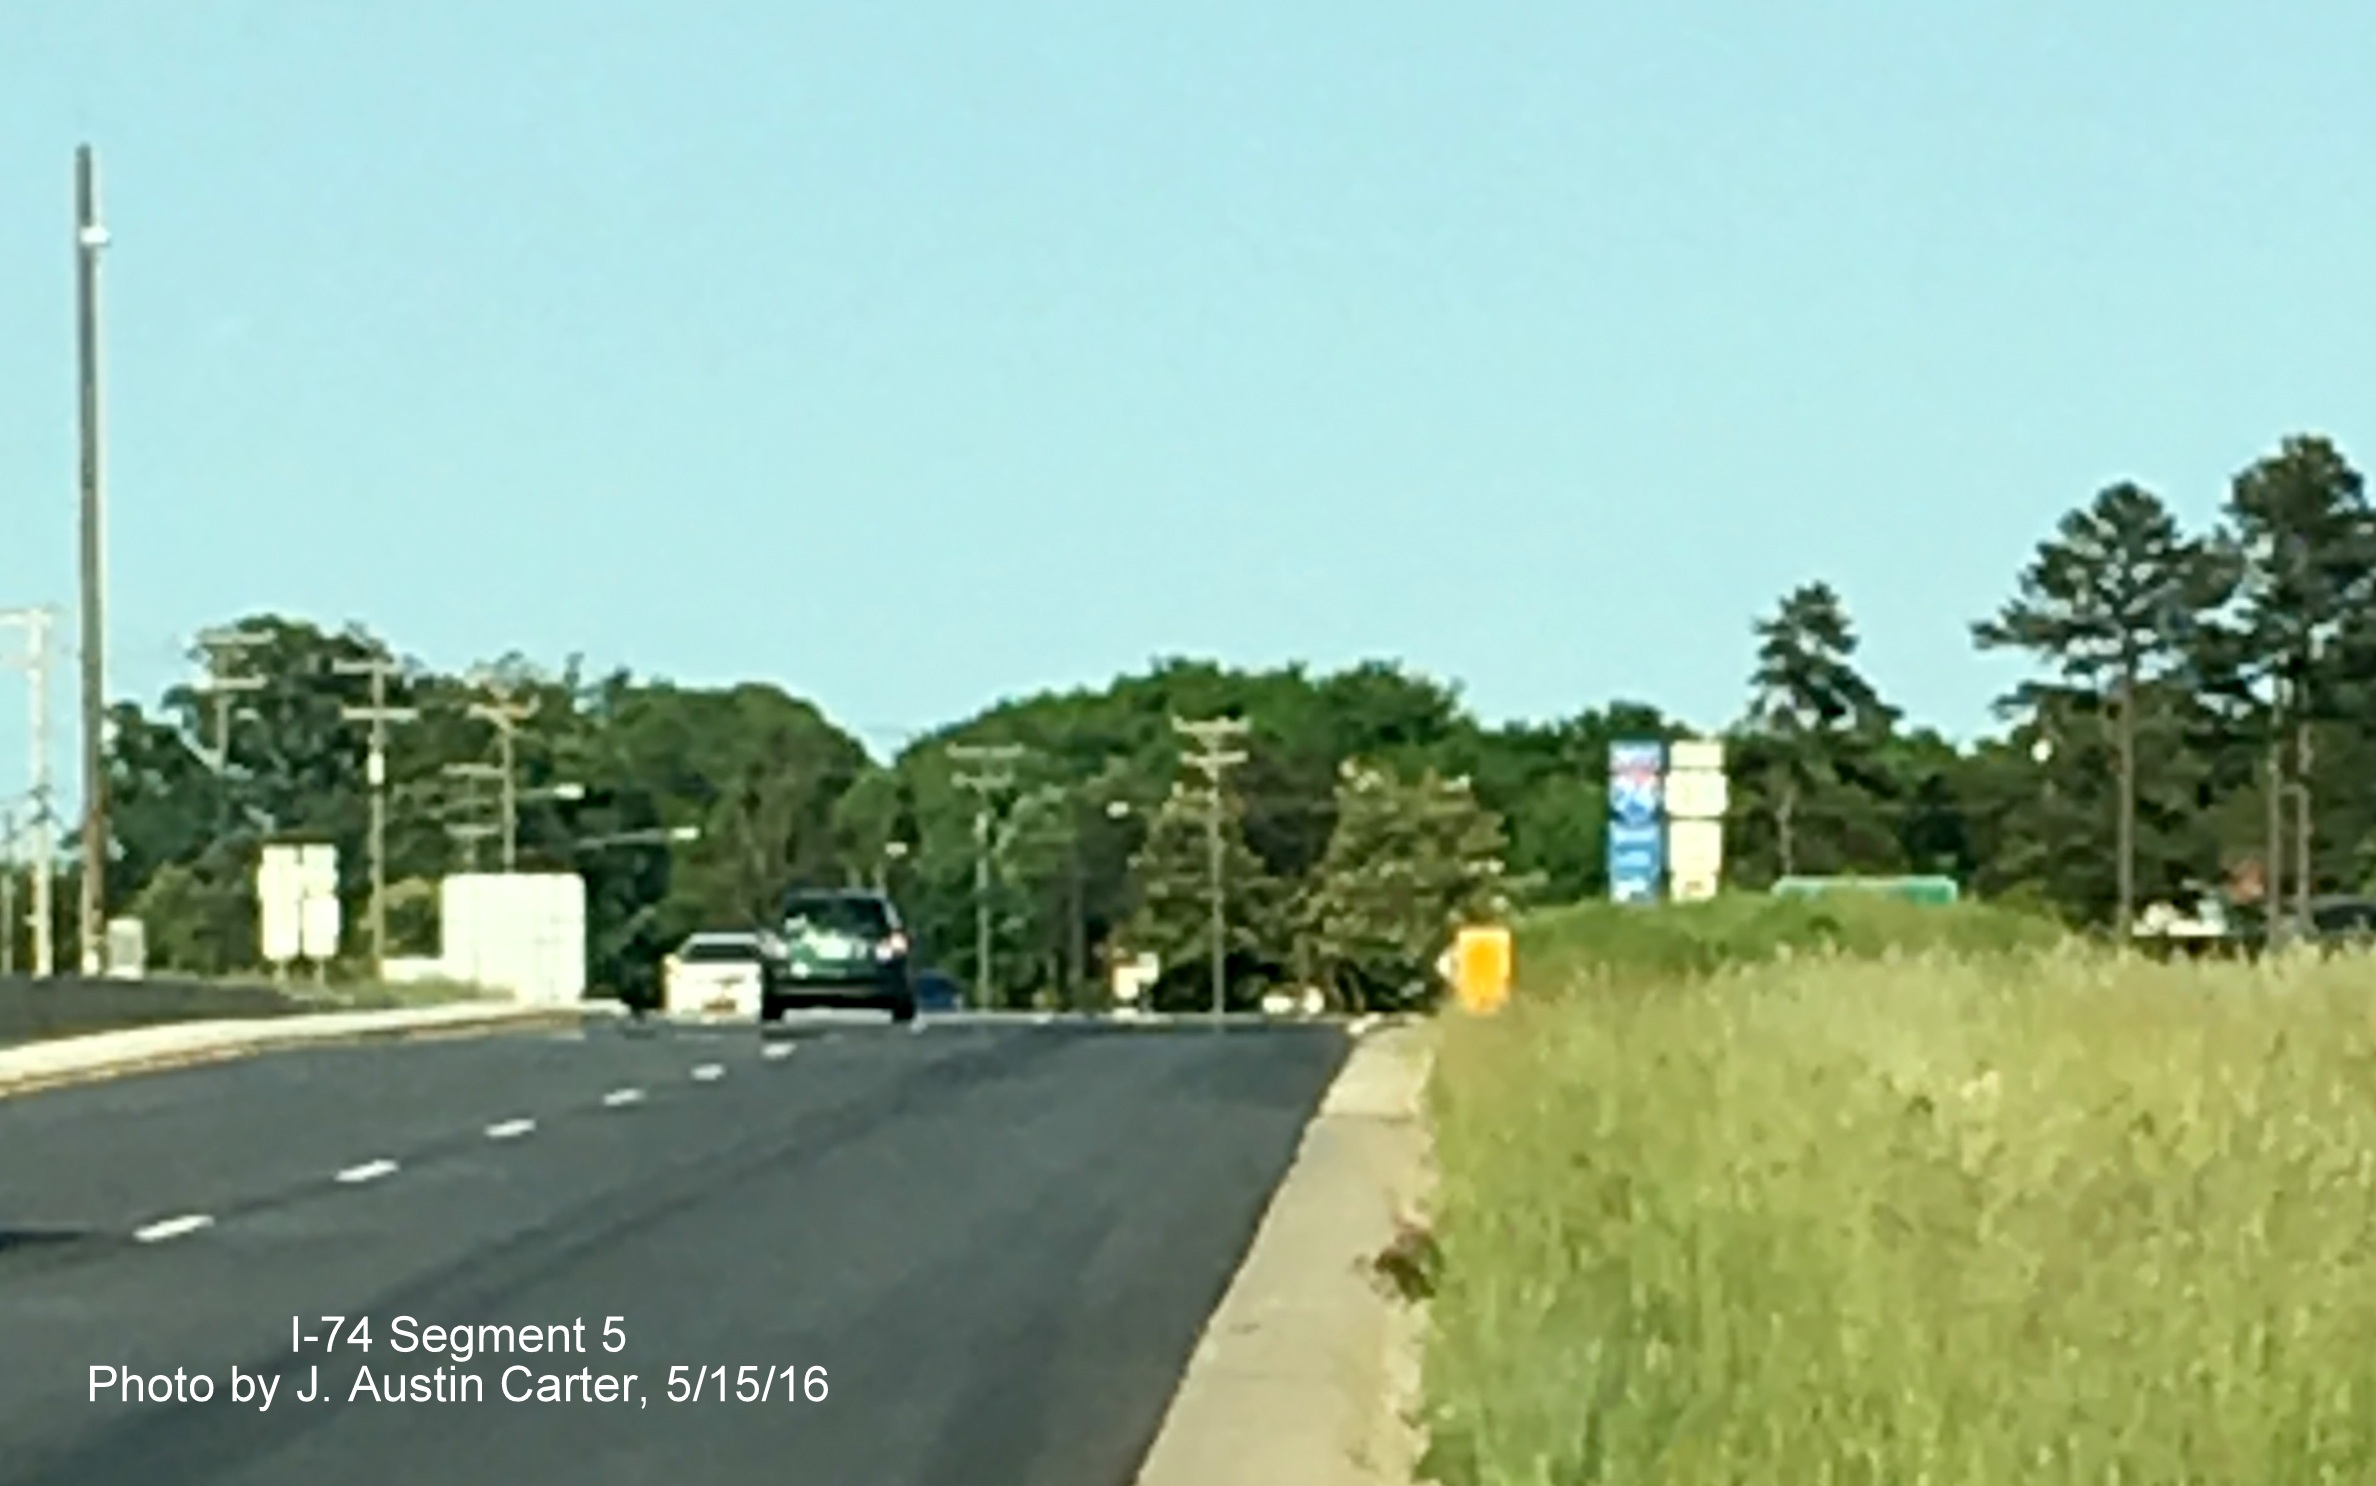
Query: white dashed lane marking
{"x": 777, "y": 1050}
{"x": 708, "y": 1072}
{"x": 620, "y": 1098}
{"x": 369, "y": 1171}
{"x": 510, "y": 1129}
{"x": 173, "y": 1228}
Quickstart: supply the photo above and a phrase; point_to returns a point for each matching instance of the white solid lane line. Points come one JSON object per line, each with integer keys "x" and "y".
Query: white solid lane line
{"x": 173, "y": 1228}
{"x": 708, "y": 1071}
{"x": 617, "y": 1098}
{"x": 510, "y": 1129}
{"x": 369, "y": 1171}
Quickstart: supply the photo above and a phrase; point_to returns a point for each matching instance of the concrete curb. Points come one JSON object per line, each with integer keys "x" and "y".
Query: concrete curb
{"x": 103, "y": 1055}
{"x": 1307, "y": 1371}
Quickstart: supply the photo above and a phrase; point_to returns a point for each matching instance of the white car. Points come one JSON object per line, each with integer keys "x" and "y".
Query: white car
{"x": 721, "y": 973}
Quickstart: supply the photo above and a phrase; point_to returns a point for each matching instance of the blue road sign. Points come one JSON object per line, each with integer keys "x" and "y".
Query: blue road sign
{"x": 1636, "y": 795}
{"x": 1637, "y": 756}
{"x": 1637, "y": 862}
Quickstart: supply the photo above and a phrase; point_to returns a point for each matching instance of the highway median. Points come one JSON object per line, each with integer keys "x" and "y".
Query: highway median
{"x": 54, "y": 1062}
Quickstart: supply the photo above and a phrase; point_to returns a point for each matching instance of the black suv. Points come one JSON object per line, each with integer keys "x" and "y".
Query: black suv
{"x": 842, "y": 949}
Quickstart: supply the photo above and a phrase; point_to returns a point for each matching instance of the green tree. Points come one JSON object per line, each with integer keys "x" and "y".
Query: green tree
{"x": 1813, "y": 715}
{"x": 1173, "y": 913}
{"x": 2113, "y": 601}
{"x": 759, "y": 772}
{"x": 1410, "y": 861}
{"x": 2299, "y": 525}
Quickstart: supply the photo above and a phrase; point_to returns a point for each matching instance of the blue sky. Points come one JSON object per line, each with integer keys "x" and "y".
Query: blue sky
{"x": 916, "y": 355}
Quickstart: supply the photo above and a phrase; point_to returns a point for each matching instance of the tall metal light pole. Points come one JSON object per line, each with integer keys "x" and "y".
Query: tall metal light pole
{"x": 89, "y": 238}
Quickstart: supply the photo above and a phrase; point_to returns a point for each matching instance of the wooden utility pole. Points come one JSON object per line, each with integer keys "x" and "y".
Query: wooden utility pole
{"x": 1213, "y": 759}
{"x": 993, "y": 773}
{"x": 223, "y": 688}
{"x": 505, "y": 715}
{"x": 379, "y": 666}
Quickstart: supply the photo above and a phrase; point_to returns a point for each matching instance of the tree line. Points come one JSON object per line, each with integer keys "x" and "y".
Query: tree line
{"x": 2194, "y": 718}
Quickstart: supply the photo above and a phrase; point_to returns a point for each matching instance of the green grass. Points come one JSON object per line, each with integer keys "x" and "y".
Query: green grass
{"x": 1611, "y": 939}
{"x": 1954, "y": 1215}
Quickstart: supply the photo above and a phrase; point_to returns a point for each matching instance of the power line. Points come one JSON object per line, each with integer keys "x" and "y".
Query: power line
{"x": 89, "y": 238}
{"x": 36, "y": 661}
{"x": 1214, "y": 759}
{"x": 379, "y": 666}
{"x": 993, "y": 772}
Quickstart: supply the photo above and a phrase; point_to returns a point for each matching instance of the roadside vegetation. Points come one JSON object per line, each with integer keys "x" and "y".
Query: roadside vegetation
{"x": 1721, "y": 1202}
{"x": 2174, "y": 678}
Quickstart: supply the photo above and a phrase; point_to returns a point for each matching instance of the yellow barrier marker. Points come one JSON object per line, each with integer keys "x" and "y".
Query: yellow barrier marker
{"x": 1481, "y": 969}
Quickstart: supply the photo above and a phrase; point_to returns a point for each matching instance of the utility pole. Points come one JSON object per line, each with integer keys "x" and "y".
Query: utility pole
{"x": 1213, "y": 759}
{"x": 471, "y": 832}
{"x": 221, "y": 687}
{"x": 2304, "y": 877}
{"x": 506, "y": 715}
{"x": 1076, "y": 990}
{"x": 36, "y": 661}
{"x": 994, "y": 770}
{"x": 379, "y": 666}
{"x": 89, "y": 239}
{"x": 8, "y": 923}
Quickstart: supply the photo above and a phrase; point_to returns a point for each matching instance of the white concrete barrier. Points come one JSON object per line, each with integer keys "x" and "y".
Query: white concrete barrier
{"x": 67, "y": 1060}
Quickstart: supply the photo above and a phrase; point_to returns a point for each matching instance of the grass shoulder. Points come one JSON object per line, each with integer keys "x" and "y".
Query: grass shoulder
{"x": 1863, "y": 1192}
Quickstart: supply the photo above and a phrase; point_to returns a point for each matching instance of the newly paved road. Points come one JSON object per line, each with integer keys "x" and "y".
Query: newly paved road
{"x": 993, "y": 1246}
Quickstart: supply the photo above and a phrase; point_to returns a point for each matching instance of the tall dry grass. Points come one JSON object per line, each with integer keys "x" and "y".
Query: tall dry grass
{"x": 1946, "y": 1217}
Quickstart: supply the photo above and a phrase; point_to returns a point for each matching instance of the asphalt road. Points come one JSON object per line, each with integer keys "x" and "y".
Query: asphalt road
{"x": 990, "y": 1248}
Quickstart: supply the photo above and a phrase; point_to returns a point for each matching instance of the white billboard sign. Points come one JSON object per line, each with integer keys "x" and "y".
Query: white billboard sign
{"x": 317, "y": 928}
{"x": 280, "y": 900}
{"x": 1695, "y": 848}
{"x": 1697, "y": 795}
{"x": 1696, "y": 756}
{"x": 297, "y": 903}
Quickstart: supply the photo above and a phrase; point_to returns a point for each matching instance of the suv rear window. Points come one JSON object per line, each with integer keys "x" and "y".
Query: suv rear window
{"x": 849, "y": 917}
